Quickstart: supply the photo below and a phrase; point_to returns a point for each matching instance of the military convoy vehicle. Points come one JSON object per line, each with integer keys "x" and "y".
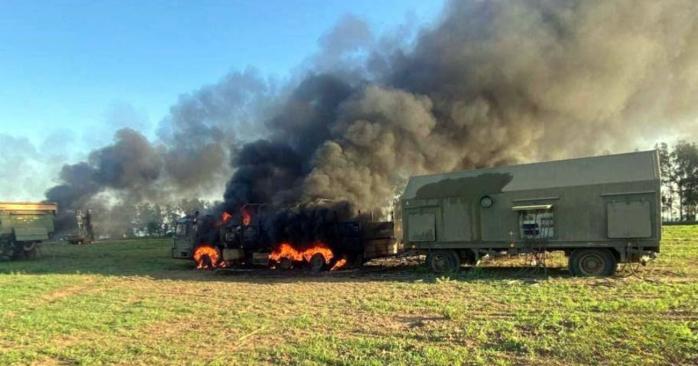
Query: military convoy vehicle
{"x": 84, "y": 233}
{"x": 23, "y": 225}
{"x": 600, "y": 211}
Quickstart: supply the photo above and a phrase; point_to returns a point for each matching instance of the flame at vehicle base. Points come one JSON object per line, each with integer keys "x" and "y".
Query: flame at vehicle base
{"x": 287, "y": 251}
{"x": 206, "y": 256}
{"x": 339, "y": 265}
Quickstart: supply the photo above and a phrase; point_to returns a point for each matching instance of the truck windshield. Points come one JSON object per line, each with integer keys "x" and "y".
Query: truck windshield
{"x": 181, "y": 229}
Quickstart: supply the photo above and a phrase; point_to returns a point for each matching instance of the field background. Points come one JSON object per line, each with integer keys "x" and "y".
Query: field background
{"x": 128, "y": 303}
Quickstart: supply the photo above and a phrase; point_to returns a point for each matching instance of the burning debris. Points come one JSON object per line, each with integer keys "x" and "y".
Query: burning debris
{"x": 339, "y": 265}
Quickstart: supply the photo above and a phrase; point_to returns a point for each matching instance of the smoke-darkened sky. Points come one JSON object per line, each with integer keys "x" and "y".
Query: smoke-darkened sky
{"x": 483, "y": 84}
{"x": 74, "y": 72}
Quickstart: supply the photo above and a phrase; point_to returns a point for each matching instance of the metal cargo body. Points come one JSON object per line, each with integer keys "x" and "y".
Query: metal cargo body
{"x": 610, "y": 201}
{"x": 23, "y": 225}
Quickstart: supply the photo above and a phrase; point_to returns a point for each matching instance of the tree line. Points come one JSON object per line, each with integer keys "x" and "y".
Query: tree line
{"x": 679, "y": 170}
{"x": 128, "y": 220}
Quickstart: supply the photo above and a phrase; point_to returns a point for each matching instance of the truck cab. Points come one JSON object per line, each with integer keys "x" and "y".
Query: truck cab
{"x": 183, "y": 239}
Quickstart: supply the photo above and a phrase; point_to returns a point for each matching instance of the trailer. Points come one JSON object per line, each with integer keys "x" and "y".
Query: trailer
{"x": 600, "y": 211}
{"x": 23, "y": 225}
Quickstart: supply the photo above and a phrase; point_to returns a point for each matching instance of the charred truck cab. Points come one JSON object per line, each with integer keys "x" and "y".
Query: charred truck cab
{"x": 600, "y": 211}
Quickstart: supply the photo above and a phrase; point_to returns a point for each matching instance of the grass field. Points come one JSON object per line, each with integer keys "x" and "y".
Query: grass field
{"x": 128, "y": 303}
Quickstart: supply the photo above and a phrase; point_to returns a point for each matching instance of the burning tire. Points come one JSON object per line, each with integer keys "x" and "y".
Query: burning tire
{"x": 207, "y": 257}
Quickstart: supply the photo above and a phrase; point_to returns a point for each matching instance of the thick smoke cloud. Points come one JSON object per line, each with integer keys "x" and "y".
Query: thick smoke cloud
{"x": 201, "y": 129}
{"x": 492, "y": 82}
{"x": 497, "y": 82}
{"x": 189, "y": 158}
{"x": 129, "y": 165}
{"x": 265, "y": 173}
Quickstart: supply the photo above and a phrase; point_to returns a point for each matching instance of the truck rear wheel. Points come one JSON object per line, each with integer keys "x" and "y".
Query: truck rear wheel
{"x": 30, "y": 250}
{"x": 285, "y": 264}
{"x": 317, "y": 263}
{"x": 443, "y": 261}
{"x": 592, "y": 262}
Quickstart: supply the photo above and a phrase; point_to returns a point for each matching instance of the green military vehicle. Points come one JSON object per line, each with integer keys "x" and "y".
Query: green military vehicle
{"x": 23, "y": 225}
{"x": 600, "y": 211}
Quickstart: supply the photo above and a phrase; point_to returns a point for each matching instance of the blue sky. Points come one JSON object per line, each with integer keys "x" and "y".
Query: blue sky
{"x": 66, "y": 66}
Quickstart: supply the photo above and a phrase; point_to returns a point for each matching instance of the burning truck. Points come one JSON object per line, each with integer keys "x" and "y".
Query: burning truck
{"x": 599, "y": 211}
{"x": 318, "y": 236}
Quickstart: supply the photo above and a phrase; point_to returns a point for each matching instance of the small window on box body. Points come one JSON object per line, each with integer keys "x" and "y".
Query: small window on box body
{"x": 536, "y": 222}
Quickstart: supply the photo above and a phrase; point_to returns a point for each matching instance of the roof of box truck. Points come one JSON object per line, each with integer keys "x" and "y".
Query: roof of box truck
{"x": 618, "y": 168}
{"x": 28, "y": 206}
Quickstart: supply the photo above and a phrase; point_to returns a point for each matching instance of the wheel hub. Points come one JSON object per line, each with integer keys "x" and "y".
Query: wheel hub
{"x": 592, "y": 264}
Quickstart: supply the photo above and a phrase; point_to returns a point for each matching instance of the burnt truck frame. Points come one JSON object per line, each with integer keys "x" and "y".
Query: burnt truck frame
{"x": 245, "y": 244}
{"x": 600, "y": 211}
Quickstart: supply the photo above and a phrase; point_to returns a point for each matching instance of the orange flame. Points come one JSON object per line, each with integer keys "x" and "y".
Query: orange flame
{"x": 207, "y": 257}
{"x": 225, "y": 217}
{"x": 340, "y": 263}
{"x": 286, "y": 250}
{"x": 246, "y": 217}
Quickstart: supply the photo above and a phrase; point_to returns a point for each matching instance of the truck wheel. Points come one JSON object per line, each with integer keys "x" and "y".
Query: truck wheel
{"x": 285, "y": 264}
{"x": 30, "y": 254}
{"x": 592, "y": 262}
{"x": 29, "y": 250}
{"x": 317, "y": 262}
{"x": 468, "y": 257}
{"x": 443, "y": 261}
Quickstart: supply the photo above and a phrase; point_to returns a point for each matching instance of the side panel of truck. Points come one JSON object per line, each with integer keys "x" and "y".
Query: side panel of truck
{"x": 484, "y": 215}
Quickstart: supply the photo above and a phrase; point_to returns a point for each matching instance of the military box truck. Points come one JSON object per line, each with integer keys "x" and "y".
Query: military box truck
{"x": 242, "y": 241}
{"x": 600, "y": 211}
{"x": 23, "y": 225}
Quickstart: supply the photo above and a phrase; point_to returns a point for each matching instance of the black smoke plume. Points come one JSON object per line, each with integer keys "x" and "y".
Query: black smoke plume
{"x": 489, "y": 83}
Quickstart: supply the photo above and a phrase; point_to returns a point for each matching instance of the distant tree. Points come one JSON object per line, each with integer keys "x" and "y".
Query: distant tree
{"x": 149, "y": 219}
{"x": 668, "y": 180}
{"x": 685, "y": 170}
{"x": 118, "y": 221}
{"x": 189, "y": 206}
{"x": 153, "y": 228}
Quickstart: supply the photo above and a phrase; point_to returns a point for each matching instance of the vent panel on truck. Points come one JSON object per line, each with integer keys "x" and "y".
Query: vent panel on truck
{"x": 629, "y": 219}
{"x": 456, "y": 220}
{"x": 421, "y": 227}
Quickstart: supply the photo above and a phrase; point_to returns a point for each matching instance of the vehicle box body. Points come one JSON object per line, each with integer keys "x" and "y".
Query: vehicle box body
{"x": 607, "y": 201}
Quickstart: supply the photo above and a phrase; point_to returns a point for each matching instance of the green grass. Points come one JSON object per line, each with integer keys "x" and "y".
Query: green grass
{"x": 128, "y": 303}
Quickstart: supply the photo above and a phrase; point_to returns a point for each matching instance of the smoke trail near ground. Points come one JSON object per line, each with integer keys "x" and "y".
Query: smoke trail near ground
{"x": 491, "y": 82}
